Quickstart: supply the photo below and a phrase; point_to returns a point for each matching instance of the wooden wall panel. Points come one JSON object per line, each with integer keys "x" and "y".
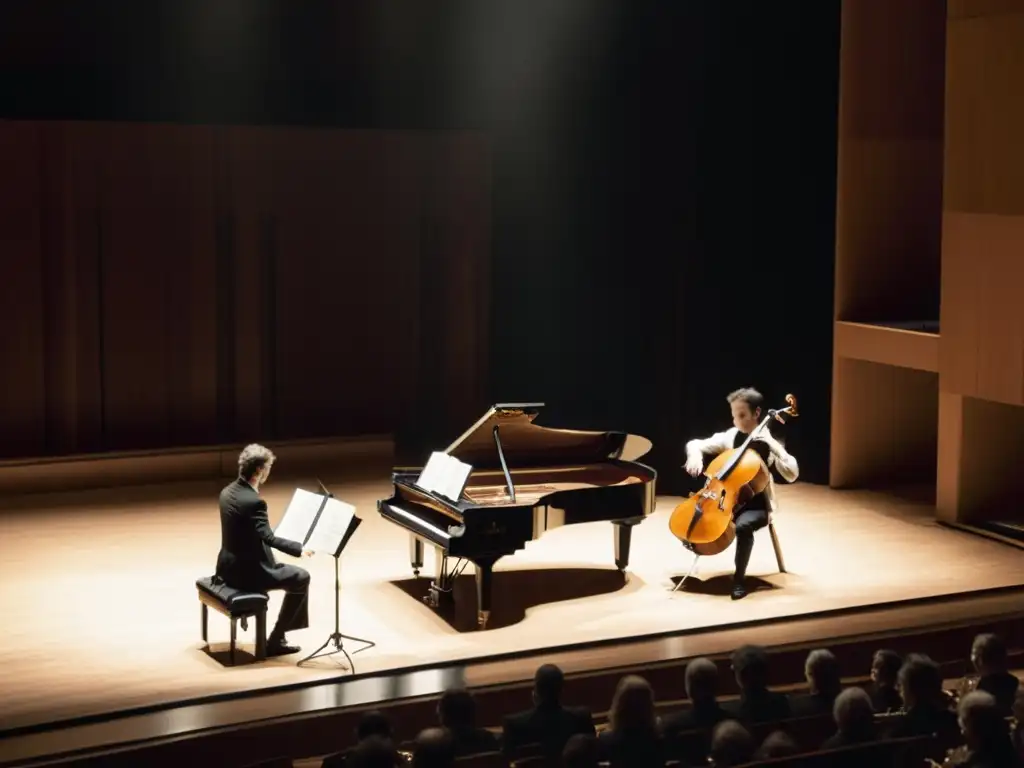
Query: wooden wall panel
{"x": 885, "y": 429}
{"x": 22, "y": 400}
{"x": 984, "y": 157}
{"x": 889, "y": 189}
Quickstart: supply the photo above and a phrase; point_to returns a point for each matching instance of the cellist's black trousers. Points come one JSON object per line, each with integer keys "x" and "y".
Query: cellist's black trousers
{"x": 747, "y": 521}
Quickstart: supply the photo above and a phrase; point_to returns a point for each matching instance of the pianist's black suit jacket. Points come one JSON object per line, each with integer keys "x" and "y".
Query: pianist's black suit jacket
{"x": 245, "y": 560}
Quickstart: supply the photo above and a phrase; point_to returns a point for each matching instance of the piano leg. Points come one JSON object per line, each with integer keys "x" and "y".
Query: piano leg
{"x": 415, "y": 554}
{"x": 484, "y": 571}
{"x": 623, "y": 538}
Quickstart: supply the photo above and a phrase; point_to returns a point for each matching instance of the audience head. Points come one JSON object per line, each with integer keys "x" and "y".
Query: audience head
{"x": 547, "y": 685}
{"x": 254, "y": 463}
{"x": 580, "y": 752}
{"x": 778, "y": 744}
{"x": 822, "y": 672}
{"x": 920, "y": 681}
{"x": 701, "y": 680}
{"x": 750, "y": 663}
{"x": 731, "y": 744}
{"x": 433, "y": 748}
{"x": 632, "y": 706}
{"x": 981, "y": 721}
{"x": 988, "y": 654}
{"x": 853, "y": 712}
{"x": 885, "y": 667}
{"x": 457, "y": 709}
{"x": 373, "y": 724}
{"x": 372, "y": 752}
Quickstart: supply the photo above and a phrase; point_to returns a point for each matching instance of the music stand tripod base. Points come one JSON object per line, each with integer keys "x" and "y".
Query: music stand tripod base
{"x": 336, "y": 637}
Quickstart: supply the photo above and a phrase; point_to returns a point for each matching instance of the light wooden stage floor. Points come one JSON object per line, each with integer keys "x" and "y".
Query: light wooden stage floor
{"x": 101, "y": 614}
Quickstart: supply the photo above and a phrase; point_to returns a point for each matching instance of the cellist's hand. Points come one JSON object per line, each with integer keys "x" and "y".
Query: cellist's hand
{"x": 694, "y": 465}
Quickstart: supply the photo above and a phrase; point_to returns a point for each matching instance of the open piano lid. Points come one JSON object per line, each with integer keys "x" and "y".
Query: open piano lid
{"x": 525, "y": 444}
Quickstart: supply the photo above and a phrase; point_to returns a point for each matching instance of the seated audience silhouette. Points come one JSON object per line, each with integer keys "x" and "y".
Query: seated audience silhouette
{"x": 756, "y": 703}
{"x": 433, "y": 748}
{"x": 456, "y": 712}
{"x": 855, "y": 720}
{"x": 372, "y": 752}
{"x": 920, "y": 685}
{"x": 986, "y": 733}
{"x": 988, "y": 654}
{"x": 581, "y": 751}
{"x": 702, "y": 691}
{"x": 885, "y": 667}
{"x": 633, "y": 738}
{"x": 731, "y": 744}
{"x": 548, "y": 724}
{"x": 777, "y": 744}
{"x": 821, "y": 670}
{"x": 371, "y": 724}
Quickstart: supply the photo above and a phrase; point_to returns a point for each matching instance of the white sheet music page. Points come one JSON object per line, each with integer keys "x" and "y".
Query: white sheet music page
{"x": 299, "y": 516}
{"x": 456, "y": 474}
{"x": 433, "y": 473}
{"x": 331, "y": 528}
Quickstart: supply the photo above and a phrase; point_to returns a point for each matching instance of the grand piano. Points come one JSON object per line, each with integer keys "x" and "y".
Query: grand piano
{"x": 526, "y": 479}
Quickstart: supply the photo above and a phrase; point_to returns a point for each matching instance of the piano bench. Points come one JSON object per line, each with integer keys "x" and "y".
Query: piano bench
{"x": 235, "y": 604}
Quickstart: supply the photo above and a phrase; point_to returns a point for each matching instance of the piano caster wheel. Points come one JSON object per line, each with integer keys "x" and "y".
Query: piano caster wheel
{"x": 415, "y": 573}
{"x": 481, "y": 619}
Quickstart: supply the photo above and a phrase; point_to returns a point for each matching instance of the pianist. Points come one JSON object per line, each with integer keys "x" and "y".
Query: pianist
{"x": 745, "y": 405}
{"x": 246, "y": 561}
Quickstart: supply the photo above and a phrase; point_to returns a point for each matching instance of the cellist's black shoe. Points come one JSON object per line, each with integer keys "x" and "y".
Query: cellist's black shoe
{"x": 738, "y": 591}
{"x": 278, "y": 646}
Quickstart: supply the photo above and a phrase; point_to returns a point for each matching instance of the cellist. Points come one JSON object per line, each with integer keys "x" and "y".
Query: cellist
{"x": 745, "y": 405}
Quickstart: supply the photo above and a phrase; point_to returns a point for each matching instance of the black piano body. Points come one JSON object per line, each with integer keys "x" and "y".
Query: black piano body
{"x": 526, "y": 479}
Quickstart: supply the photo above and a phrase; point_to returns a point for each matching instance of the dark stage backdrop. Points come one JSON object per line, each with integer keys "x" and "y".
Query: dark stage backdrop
{"x": 623, "y": 210}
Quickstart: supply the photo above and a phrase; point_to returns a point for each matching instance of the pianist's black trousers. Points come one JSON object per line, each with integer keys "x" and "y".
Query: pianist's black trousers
{"x": 747, "y": 521}
{"x": 295, "y": 607}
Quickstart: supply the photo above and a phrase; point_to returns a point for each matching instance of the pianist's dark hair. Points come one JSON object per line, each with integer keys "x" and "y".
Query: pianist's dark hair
{"x": 253, "y": 458}
{"x": 748, "y": 395}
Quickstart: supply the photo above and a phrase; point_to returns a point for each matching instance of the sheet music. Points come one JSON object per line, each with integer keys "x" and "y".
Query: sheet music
{"x": 444, "y": 475}
{"x": 298, "y": 517}
{"x": 331, "y": 528}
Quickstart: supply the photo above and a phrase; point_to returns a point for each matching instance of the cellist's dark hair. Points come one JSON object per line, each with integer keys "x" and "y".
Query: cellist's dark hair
{"x": 748, "y": 395}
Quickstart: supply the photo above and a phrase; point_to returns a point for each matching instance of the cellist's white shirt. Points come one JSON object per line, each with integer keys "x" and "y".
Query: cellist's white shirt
{"x": 779, "y": 458}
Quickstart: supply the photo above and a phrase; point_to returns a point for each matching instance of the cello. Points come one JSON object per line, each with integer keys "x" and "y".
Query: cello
{"x": 704, "y": 521}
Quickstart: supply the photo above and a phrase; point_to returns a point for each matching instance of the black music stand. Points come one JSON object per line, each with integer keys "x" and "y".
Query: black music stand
{"x": 336, "y": 637}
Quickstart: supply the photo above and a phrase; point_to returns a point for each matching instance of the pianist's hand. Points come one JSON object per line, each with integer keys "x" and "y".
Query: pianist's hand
{"x": 308, "y": 553}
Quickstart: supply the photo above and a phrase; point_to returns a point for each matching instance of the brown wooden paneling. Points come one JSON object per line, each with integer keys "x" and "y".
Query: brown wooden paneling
{"x": 206, "y": 285}
{"x": 990, "y": 478}
{"x": 891, "y": 69}
{"x": 958, "y": 9}
{"x": 885, "y": 425}
{"x": 158, "y": 279}
{"x": 959, "y": 321}
{"x": 985, "y": 115}
{"x": 22, "y": 398}
{"x": 891, "y": 346}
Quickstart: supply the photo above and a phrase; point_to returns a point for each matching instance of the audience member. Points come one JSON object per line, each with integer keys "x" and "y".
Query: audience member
{"x": 702, "y": 691}
{"x": 821, "y": 670}
{"x": 581, "y": 751}
{"x": 457, "y": 713}
{"x": 731, "y": 744}
{"x": 777, "y": 744}
{"x": 988, "y": 655}
{"x": 633, "y": 738}
{"x": 372, "y": 752}
{"x": 756, "y": 704}
{"x": 548, "y": 724}
{"x": 885, "y": 668}
{"x": 433, "y": 748}
{"x": 986, "y": 733}
{"x": 855, "y": 719}
{"x": 920, "y": 686}
{"x": 371, "y": 724}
